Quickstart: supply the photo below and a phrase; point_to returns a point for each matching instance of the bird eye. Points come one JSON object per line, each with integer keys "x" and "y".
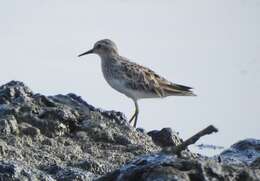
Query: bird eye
{"x": 98, "y": 46}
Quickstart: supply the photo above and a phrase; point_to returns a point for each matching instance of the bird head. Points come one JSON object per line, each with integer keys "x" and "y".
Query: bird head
{"x": 103, "y": 48}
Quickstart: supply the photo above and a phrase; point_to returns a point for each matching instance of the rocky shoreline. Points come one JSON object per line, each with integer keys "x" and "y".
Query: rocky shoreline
{"x": 63, "y": 137}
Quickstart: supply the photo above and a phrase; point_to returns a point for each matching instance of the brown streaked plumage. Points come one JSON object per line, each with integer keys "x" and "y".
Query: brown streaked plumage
{"x": 142, "y": 78}
{"x": 133, "y": 80}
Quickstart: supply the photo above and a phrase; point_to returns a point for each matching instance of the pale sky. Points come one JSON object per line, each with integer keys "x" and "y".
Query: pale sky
{"x": 211, "y": 45}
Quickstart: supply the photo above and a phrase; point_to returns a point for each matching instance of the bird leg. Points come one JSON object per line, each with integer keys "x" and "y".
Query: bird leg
{"x": 135, "y": 116}
{"x": 132, "y": 118}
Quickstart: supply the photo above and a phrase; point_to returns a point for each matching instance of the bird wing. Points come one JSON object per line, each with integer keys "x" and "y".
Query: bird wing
{"x": 139, "y": 77}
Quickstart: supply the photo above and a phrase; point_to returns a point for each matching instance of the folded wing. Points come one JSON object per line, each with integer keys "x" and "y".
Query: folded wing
{"x": 142, "y": 78}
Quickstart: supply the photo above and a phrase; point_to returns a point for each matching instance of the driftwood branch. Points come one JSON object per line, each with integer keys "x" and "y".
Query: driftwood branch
{"x": 177, "y": 149}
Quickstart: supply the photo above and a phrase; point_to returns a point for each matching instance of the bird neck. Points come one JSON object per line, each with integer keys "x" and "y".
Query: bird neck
{"x": 109, "y": 56}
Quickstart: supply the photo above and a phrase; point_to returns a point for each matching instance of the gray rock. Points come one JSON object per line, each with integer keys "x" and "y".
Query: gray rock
{"x": 4, "y": 127}
{"x": 63, "y": 137}
{"x": 60, "y": 173}
{"x": 243, "y": 152}
{"x": 40, "y": 131}
{"x": 13, "y": 125}
{"x": 3, "y": 148}
{"x": 256, "y": 163}
{"x": 168, "y": 138}
{"x": 29, "y": 130}
{"x": 170, "y": 168}
{"x": 165, "y": 137}
{"x": 8, "y": 124}
{"x": 10, "y": 171}
{"x": 14, "y": 91}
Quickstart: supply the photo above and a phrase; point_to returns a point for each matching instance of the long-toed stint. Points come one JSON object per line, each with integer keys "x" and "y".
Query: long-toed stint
{"x": 133, "y": 80}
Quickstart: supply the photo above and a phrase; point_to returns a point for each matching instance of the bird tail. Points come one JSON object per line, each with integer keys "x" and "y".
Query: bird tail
{"x": 178, "y": 90}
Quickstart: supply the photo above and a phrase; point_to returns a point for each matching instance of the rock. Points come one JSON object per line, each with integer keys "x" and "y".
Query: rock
{"x": 40, "y": 131}
{"x": 4, "y": 127}
{"x": 62, "y": 137}
{"x": 68, "y": 173}
{"x": 3, "y": 148}
{"x": 170, "y": 168}
{"x": 29, "y": 130}
{"x": 14, "y": 91}
{"x": 256, "y": 163}
{"x": 81, "y": 135}
{"x": 243, "y": 152}
{"x": 8, "y": 125}
{"x": 165, "y": 137}
{"x": 142, "y": 130}
{"x": 10, "y": 170}
{"x": 168, "y": 138}
{"x": 92, "y": 165}
{"x": 13, "y": 125}
{"x": 48, "y": 141}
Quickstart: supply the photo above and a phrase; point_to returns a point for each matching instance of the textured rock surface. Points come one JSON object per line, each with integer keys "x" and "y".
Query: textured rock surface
{"x": 169, "y": 168}
{"x": 243, "y": 152}
{"x": 165, "y": 137}
{"x": 62, "y": 137}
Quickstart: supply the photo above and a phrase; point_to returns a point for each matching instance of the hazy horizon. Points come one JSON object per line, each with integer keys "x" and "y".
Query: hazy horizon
{"x": 212, "y": 46}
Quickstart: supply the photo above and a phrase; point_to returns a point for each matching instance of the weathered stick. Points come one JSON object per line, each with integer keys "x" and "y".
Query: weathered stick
{"x": 177, "y": 149}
